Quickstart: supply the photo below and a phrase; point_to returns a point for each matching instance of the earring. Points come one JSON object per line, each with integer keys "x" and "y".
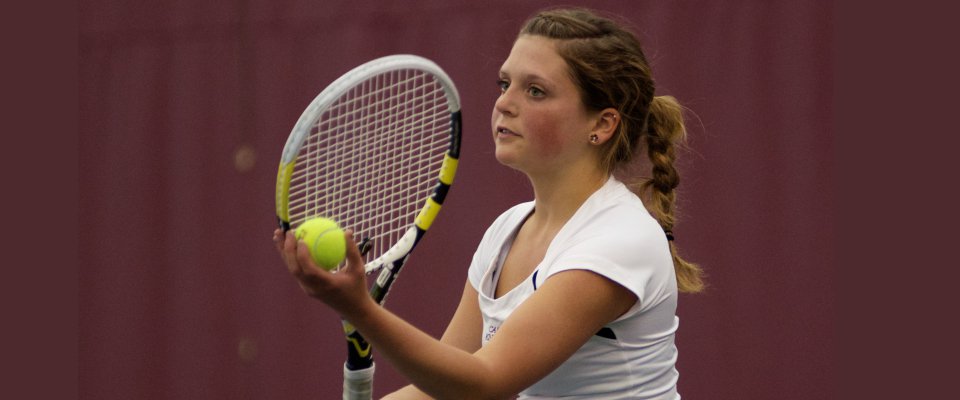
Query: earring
{"x": 594, "y": 139}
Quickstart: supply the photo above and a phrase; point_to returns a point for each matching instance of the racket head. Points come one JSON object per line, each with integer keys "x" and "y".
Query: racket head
{"x": 375, "y": 151}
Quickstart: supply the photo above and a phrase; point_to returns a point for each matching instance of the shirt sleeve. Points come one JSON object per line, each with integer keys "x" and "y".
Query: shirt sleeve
{"x": 632, "y": 253}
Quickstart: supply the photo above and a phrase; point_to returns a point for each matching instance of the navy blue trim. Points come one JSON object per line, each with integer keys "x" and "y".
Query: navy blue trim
{"x": 606, "y": 332}
{"x": 535, "y": 279}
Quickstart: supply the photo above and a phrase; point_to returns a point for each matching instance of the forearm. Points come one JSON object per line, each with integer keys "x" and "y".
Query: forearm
{"x": 408, "y": 392}
{"x": 438, "y": 369}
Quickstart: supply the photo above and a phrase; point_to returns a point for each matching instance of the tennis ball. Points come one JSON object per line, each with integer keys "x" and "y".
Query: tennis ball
{"x": 325, "y": 240}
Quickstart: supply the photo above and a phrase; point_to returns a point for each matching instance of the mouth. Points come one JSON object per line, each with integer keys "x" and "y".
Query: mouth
{"x": 504, "y": 132}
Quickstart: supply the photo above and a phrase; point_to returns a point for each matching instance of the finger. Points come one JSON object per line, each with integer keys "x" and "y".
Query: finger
{"x": 354, "y": 259}
{"x": 278, "y": 239}
{"x": 289, "y": 253}
{"x": 289, "y": 242}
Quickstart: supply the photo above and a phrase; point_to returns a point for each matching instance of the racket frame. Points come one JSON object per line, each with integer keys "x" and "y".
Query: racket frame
{"x": 359, "y": 366}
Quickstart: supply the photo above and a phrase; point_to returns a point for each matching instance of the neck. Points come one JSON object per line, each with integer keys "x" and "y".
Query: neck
{"x": 558, "y": 196}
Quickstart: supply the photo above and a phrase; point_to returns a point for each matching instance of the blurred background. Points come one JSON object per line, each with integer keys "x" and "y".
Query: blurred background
{"x": 185, "y": 107}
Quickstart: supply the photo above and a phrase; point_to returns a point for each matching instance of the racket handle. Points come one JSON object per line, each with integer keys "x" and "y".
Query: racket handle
{"x": 358, "y": 385}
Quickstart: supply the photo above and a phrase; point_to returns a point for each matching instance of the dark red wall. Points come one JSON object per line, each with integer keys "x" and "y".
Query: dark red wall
{"x": 183, "y": 297}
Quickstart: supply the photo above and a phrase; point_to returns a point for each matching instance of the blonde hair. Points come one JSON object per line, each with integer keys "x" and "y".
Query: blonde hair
{"x": 608, "y": 65}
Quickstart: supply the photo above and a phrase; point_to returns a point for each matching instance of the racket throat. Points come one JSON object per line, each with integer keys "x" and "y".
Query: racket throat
{"x": 398, "y": 252}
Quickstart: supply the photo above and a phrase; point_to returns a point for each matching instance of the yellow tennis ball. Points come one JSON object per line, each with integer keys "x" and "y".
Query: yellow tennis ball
{"x": 325, "y": 240}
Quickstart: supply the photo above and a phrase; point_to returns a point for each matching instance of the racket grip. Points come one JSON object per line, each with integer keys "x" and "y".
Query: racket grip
{"x": 358, "y": 385}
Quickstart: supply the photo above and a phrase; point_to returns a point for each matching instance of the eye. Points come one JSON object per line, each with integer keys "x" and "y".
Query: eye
{"x": 536, "y": 92}
{"x": 503, "y": 84}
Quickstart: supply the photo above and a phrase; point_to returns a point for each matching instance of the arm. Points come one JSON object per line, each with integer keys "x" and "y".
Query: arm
{"x": 528, "y": 346}
{"x": 463, "y": 332}
{"x": 531, "y": 344}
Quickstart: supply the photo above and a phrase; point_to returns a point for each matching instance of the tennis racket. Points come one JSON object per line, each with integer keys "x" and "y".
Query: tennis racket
{"x": 376, "y": 151}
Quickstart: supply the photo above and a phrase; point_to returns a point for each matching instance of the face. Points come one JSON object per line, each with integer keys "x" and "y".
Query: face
{"x": 539, "y": 122}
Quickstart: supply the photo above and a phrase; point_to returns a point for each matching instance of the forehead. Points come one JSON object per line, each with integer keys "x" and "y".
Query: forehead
{"x": 537, "y": 56}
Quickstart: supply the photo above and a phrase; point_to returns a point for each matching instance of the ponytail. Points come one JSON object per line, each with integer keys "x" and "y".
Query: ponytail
{"x": 664, "y": 132}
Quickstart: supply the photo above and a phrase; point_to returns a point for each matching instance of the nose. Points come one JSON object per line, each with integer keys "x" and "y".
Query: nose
{"x": 505, "y": 103}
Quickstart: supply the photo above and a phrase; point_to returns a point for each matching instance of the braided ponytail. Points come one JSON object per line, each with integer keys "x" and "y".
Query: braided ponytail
{"x": 664, "y": 131}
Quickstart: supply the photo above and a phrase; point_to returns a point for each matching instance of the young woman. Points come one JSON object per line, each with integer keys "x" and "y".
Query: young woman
{"x": 573, "y": 294}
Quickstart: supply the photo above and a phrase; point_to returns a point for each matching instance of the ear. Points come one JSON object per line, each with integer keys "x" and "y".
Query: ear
{"x": 606, "y": 125}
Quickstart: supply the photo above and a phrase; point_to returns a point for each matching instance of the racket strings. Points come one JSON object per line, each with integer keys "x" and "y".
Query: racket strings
{"x": 374, "y": 158}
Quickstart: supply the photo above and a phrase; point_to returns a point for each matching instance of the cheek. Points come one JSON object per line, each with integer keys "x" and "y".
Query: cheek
{"x": 550, "y": 137}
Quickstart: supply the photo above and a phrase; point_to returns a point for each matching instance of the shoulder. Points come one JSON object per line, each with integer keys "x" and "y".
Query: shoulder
{"x": 617, "y": 238}
{"x": 618, "y": 216}
{"x": 622, "y": 234}
{"x": 508, "y": 220}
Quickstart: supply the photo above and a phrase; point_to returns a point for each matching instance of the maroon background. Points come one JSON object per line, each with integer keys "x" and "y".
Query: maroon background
{"x": 182, "y": 296}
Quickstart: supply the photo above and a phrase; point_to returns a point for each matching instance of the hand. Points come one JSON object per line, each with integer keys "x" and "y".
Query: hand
{"x": 344, "y": 290}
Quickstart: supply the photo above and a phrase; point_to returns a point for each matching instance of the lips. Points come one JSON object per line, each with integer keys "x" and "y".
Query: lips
{"x": 502, "y": 132}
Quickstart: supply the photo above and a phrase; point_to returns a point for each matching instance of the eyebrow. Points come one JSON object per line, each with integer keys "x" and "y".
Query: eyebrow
{"x": 528, "y": 77}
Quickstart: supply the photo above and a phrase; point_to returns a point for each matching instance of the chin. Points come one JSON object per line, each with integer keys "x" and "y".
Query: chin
{"x": 505, "y": 158}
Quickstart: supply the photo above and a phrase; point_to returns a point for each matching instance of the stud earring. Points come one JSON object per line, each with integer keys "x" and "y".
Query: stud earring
{"x": 594, "y": 139}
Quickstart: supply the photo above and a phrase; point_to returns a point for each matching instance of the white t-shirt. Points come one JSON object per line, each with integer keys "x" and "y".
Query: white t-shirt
{"x": 613, "y": 235}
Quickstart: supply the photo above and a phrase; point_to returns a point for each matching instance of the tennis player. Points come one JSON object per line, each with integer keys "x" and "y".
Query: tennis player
{"x": 572, "y": 295}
